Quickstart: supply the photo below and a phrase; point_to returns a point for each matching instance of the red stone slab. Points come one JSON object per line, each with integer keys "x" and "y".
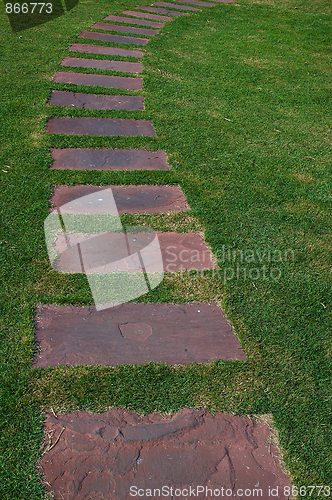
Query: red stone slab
{"x": 179, "y": 251}
{"x": 91, "y": 101}
{"x": 120, "y": 455}
{"x": 125, "y": 66}
{"x": 146, "y": 16}
{"x": 100, "y": 126}
{"x": 109, "y": 159}
{"x": 198, "y": 3}
{"x": 124, "y": 29}
{"x": 174, "y": 6}
{"x": 107, "y": 51}
{"x": 107, "y": 81}
{"x": 128, "y": 20}
{"x": 134, "y": 334}
{"x": 129, "y": 199}
{"x": 93, "y": 35}
{"x": 161, "y": 11}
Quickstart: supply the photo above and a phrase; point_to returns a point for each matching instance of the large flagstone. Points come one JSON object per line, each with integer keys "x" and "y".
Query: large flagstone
{"x": 134, "y": 334}
{"x": 119, "y": 455}
{"x": 109, "y": 159}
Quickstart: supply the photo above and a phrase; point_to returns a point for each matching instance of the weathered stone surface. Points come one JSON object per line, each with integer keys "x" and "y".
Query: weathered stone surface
{"x": 76, "y": 62}
{"x": 128, "y": 199}
{"x": 128, "y": 20}
{"x": 138, "y": 331}
{"x": 224, "y": 1}
{"x": 124, "y": 29}
{"x": 91, "y": 101}
{"x": 146, "y": 16}
{"x": 100, "y": 126}
{"x": 101, "y": 456}
{"x": 179, "y": 251}
{"x": 107, "y": 81}
{"x": 134, "y": 334}
{"x": 109, "y": 159}
{"x": 174, "y": 6}
{"x": 161, "y": 11}
{"x": 198, "y": 3}
{"x": 107, "y": 51}
{"x": 104, "y": 37}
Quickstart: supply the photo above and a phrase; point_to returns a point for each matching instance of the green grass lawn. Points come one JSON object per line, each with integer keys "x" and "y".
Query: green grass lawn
{"x": 239, "y": 96}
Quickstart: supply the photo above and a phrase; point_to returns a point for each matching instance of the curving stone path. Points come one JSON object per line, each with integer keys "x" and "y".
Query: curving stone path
{"x": 118, "y": 455}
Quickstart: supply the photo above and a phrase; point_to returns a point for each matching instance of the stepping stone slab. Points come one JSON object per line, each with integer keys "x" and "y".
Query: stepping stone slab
{"x": 146, "y": 16}
{"x": 109, "y": 159}
{"x": 179, "y": 251}
{"x": 174, "y": 6}
{"x": 100, "y": 126}
{"x": 90, "y": 101}
{"x": 128, "y": 20}
{"x": 107, "y": 81}
{"x": 128, "y": 199}
{"x": 93, "y": 35}
{"x": 161, "y": 11}
{"x": 119, "y": 455}
{"x": 198, "y": 3}
{"x": 134, "y": 334}
{"x": 124, "y": 29}
{"x": 130, "y": 67}
{"x": 107, "y": 51}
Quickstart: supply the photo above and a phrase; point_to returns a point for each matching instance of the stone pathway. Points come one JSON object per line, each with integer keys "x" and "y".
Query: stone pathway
{"x": 102, "y": 456}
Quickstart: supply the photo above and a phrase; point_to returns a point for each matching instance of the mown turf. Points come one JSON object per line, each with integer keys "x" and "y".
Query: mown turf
{"x": 239, "y": 96}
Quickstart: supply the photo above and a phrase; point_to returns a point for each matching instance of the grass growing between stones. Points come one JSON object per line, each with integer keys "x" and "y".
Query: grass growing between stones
{"x": 238, "y": 95}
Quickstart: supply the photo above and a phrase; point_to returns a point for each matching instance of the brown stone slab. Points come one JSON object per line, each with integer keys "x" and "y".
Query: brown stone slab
{"x": 146, "y": 16}
{"x": 174, "y": 6}
{"x": 107, "y": 81}
{"x": 100, "y": 126}
{"x": 198, "y": 3}
{"x": 180, "y": 252}
{"x": 129, "y": 20}
{"x": 125, "y": 66}
{"x": 91, "y": 101}
{"x": 107, "y": 51}
{"x": 120, "y": 455}
{"x": 129, "y": 199}
{"x": 93, "y": 35}
{"x": 109, "y": 159}
{"x": 134, "y": 334}
{"x": 157, "y": 10}
{"x": 124, "y": 29}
